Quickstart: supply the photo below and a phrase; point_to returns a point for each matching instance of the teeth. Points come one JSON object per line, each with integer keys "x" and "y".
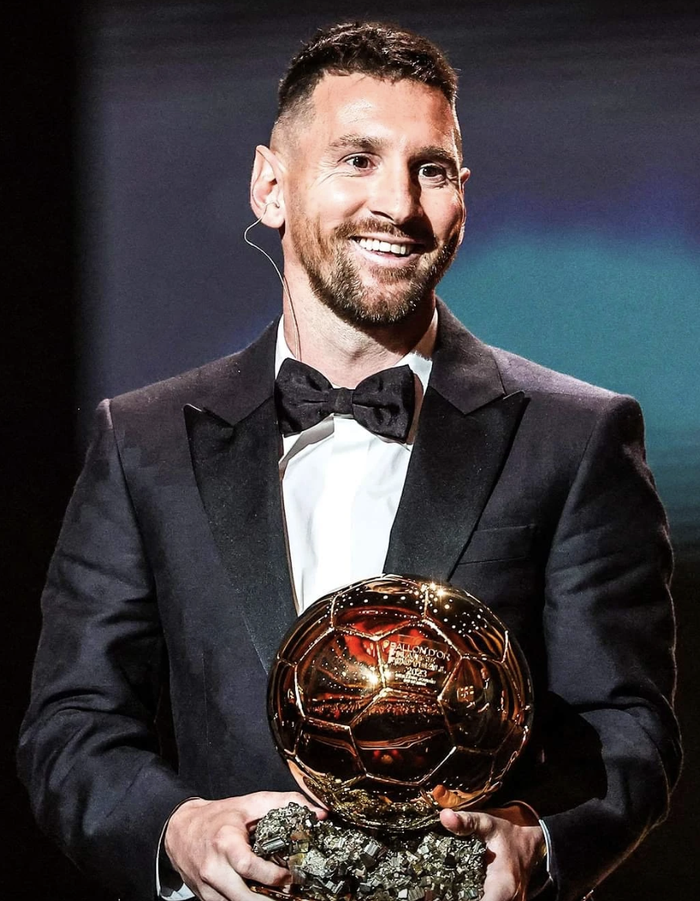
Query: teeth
{"x": 400, "y": 250}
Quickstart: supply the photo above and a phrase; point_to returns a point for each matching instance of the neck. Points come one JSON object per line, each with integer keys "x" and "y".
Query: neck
{"x": 346, "y": 353}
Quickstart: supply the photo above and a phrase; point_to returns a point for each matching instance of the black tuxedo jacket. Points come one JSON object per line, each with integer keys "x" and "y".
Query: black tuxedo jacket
{"x": 526, "y": 487}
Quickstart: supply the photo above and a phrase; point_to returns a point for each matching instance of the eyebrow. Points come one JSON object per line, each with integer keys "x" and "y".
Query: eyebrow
{"x": 365, "y": 144}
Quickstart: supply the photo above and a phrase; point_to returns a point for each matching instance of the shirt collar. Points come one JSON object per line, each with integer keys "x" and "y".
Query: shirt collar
{"x": 419, "y": 359}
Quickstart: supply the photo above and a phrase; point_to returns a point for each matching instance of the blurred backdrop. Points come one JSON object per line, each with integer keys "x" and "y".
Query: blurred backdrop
{"x": 136, "y": 124}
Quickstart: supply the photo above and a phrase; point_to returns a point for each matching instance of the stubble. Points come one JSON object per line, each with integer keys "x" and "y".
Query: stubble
{"x": 336, "y": 279}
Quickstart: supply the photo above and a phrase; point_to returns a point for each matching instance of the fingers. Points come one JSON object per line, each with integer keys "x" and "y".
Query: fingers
{"x": 253, "y": 868}
{"x": 469, "y": 822}
{"x": 220, "y": 883}
{"x": 260, "y": 803}
{"x": 231, "y": 848}
{"x": 208, "y": 843}
{"x": 225, "y": 873}
{"x": 509, "y": 856}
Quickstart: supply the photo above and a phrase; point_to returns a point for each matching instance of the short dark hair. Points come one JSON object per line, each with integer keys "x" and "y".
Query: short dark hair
{"x": 372, "y": 48}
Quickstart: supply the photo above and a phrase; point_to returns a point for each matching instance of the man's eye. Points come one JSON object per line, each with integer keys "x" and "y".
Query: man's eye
{"x": 359, "y": 161}
{"x": 432, "y": 172}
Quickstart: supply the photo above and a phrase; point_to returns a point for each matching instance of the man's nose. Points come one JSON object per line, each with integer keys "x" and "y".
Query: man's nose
{"x": 396, "y": 195}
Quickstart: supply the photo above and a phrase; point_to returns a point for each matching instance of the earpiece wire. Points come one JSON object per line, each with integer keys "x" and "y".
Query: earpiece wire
{"x": 283, "y": 282}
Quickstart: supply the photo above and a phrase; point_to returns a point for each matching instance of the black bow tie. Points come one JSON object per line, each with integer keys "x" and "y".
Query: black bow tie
{"x": 382, "y": 403}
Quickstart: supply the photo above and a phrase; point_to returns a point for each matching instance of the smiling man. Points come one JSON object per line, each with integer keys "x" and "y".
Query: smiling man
{"x": 366, "y": 431}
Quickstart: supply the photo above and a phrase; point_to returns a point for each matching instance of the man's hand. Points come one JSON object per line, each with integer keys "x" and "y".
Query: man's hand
{"x": 208, "y": 844}
{"x": 515, "y": 846}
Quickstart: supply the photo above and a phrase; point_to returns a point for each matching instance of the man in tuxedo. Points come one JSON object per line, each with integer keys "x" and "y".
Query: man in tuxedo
{"x": 216, "y": 505}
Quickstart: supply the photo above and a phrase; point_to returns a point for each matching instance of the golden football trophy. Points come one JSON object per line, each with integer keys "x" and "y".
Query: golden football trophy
{"x": 390, "y": 700}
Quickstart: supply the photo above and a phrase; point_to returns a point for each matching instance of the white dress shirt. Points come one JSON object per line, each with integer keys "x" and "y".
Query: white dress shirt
{"x": 341, "y": 486}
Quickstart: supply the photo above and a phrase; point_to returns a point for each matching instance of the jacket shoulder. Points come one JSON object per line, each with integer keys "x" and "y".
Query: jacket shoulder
{"x": 230, "y": 387}
{"x": 521, "y": 374}
{"x": 191, "y": 387}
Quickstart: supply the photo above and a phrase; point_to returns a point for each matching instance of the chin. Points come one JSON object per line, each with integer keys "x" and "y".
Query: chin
{"x": 374, "y": 301}
{"x": 381, "y": 313}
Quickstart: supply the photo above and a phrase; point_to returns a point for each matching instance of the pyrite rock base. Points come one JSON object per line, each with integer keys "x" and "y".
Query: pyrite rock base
{"x": 329, "y": 861}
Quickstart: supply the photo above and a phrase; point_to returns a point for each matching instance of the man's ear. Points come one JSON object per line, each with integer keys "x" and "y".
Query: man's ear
{"x": 463, "y": 179}
{"x": 266, "y": 199}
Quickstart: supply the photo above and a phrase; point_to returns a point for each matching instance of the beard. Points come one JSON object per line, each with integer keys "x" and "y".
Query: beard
{"x": 336, "y": 278}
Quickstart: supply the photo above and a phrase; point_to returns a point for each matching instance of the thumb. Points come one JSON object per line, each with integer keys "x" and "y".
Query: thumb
{"x": 469, "y": 822}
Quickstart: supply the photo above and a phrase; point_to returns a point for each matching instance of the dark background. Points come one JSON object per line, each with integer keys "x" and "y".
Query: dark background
{"x": 127, "y": 137}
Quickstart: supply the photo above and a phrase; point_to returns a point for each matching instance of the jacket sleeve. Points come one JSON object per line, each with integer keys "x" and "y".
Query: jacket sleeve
{"x": 609, "y": 634}
{"x": 88, "y": 750}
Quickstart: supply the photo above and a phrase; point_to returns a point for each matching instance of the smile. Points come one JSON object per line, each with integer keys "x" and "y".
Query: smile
{"x": 377, "y": 246}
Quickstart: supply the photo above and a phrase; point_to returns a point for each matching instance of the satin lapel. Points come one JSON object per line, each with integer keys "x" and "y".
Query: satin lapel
{"x": 236, "y": 468}
{"x": 467, "y": 425}
{"x": 454, "y": 466}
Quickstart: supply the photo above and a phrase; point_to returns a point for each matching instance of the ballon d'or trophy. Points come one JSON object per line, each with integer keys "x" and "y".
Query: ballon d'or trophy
{"x": 390, "y": 700}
